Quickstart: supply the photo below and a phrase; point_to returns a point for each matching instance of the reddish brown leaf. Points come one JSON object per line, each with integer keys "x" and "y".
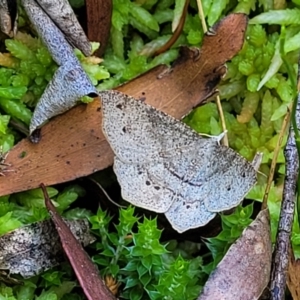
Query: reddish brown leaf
{"x": 244, "y": 272}
{"x": 86, "y": 272}
{"x": 98, "y": 22}
{"x": 73, "y": 144}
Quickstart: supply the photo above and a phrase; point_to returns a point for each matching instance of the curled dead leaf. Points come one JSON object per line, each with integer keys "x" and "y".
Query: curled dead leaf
{"x": 70, "y": 82}
{"x": 244, "y": 272}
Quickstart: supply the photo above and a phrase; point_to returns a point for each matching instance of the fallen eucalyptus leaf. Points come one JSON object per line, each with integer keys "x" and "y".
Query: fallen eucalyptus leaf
{"x": 70, "y": 82}
{"x": 8, "y": 17}
{"x": 244, "y": 272}
{"x": 61, "y": 13}
{"x": 85, "y": 270}
{"x": 35, "y": 248}
{"x": 69, "y": 149}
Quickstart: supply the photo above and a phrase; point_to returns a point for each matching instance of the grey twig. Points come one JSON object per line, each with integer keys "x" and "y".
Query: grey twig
{"x": 281, "y": 253}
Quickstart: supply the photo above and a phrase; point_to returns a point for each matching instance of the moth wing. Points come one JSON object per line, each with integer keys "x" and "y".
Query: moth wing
{"x": 232, "y": 183}
{"x": 184, "y": 216}
{"x": 139, "y": 133}
{"x": 138, "y": 189}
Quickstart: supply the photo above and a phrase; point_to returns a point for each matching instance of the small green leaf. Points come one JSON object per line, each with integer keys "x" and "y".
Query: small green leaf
{"x": 131, "y": 265}
{"x": 136, "y": 294}
{"x": 147, "y": 262}
{"x": 281, "y": 17}
{"x": 143, "y": 16}
{"x": 114, "y": 270}
{"x": 145, "y": 279}
{"x": 141, "y": 270}
{"x": 131, "y": 282}
{"x": 101, "y": 260}
{"x": 110, "y": 252}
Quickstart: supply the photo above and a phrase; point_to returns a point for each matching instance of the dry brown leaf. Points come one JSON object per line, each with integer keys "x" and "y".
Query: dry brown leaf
{"x": 244, "y": 271}
{"x": 73, "y": 144}
{"x": 86, "y": 272}
{"x": 293, "y": 277}
{"x": 98, "y": 22}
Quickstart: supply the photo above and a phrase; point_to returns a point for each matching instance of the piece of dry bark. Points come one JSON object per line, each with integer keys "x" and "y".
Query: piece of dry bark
{"x": 86, "y": 272}
{"x": 99, "y": 22}
{"x": 244, "y": 271}
{"x": 35, "y": 248}
{"x": 8, "y": 17}
{"x": 73, "y": 144}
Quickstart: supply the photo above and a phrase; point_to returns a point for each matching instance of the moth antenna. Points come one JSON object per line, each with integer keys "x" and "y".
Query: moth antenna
{"x": 105, "y": 193}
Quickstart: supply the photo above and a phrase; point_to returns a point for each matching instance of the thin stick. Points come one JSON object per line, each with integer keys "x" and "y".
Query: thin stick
{"x": 218, "y": 100}
{"x": 284, "y": 126}
{"x": 280, "y": 261}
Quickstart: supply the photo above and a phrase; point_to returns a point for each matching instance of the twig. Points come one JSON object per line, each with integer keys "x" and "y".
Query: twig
{"x": 281, "y": 253}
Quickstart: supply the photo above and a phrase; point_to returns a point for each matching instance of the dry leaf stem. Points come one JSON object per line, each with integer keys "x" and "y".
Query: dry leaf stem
{"x": 218, "y": 99}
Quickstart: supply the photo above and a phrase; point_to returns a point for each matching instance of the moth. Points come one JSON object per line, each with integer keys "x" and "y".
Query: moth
{"x": 164, "y": 166}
